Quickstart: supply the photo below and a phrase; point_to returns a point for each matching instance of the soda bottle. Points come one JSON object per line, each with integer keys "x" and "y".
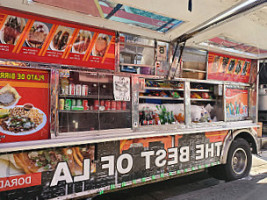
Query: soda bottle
{"x": 141, "y": 117}
{"x": 156, "y": 118}
{"x": 166, "y": 118}
{"x": 146, "y": 117}
{"x": 172, "y": 118}
{"x": 151, "y": 119}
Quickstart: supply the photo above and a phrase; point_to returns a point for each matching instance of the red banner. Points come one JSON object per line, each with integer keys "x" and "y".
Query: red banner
{"x": 23, "y": 181}
{"x": 228, "y": 68}
{"x": 24, "y": 104}
{"x": 39, "y": 39}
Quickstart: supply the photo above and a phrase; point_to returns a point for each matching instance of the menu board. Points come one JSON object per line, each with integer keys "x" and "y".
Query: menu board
{"x": 39, "y": 39}
{"x": 236, "y": 104}
{"x": 228, "y": 68}
{"x": 24, "y": 104}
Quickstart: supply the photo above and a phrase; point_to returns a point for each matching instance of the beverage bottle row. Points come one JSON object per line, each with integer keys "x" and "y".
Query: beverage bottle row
{"x": 156, "y": 117}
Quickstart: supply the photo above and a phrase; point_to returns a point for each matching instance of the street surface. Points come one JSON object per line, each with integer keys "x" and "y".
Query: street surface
{"x": 202, "y": 187}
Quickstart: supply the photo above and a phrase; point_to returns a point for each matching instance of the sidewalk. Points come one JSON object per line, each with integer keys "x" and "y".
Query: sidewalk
{"x": 259, "y": 164}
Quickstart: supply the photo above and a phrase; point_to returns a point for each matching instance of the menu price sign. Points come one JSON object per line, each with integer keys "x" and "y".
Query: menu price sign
{"x": 39, "y": 39}
{"x": 228, "y": 68}
{"x": 24, "y": 104}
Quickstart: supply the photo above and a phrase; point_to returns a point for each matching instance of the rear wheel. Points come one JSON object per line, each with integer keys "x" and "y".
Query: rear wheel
{"x": 239, "y": 160}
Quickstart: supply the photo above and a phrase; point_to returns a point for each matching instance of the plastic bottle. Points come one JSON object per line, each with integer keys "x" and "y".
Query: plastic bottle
{"x": 156, "y": 118}
{"x": 172, "y": 118}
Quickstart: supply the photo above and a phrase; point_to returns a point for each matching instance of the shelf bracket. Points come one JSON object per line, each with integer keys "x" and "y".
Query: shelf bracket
{"x": 170, "y": 74}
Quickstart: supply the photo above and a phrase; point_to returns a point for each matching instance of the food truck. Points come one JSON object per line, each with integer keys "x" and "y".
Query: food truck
{"x": 90, "y": 104}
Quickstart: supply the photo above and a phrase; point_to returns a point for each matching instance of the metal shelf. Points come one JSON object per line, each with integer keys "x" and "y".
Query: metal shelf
{"x": 194, "y": 70}
{"x": 94, "y": 111}
{"x": 87, "y": 97}
{"x": 194, "y": 99}
{"x": 200, "y": 90}
{"x": 137, "y": 44}
{"x": 161, "y": 98}
{"x": 136, "y": 65}
{"x": 162, "y": 88}
{"x": 131, "y": 53}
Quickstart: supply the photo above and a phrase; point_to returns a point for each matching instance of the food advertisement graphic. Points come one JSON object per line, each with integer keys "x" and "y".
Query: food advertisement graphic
{"x": 236, "y": 104}
{"x": 37, "y": 35}
{"x": 24, "y": 104}
{"x": 61, "y": 172}
{"x": 30, "y": 168}
{"x": 228, "y": 68}
{"x": 39, "y": 39}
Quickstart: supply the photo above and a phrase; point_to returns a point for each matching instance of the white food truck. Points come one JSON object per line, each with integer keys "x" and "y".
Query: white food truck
{"x": 100, "y": 95}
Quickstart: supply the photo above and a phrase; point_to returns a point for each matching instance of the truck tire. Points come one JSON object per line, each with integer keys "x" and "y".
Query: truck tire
{"x": 239, "y": 160}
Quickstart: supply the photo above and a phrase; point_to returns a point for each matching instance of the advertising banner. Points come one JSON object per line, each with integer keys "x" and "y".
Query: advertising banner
{"x": 236, "y": 104}
{"x": 228, "y": 68}
{"x": 24, "y": 104}
{"x": 97, "y": 168}
{"x": 39, "y": 39}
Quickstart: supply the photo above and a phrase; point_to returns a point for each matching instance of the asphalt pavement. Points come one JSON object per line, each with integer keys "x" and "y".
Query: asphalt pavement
{"x": 201, "y": 186}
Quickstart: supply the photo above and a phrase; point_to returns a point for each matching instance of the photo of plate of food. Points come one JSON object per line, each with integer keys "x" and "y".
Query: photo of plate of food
{"x": 12, "y": 29}
{"x": 37, "y": 35}
{"x": 101, "y": 45}
{"x": 21, "y": 120}
{"x": 61, "y": 38}
{"x": 82, "y": 42}
{"x": 9, "y": 97}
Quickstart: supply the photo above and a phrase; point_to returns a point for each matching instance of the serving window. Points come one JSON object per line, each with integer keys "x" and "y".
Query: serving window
{"x": 90, "y": 101}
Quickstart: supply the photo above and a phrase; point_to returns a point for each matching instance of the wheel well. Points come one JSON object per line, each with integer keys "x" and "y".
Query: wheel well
{"x": 246, "y": 136}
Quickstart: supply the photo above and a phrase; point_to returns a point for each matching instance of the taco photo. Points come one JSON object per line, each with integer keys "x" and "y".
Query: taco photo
{"x": 8, "y": 96}
{"x": 61, "y": 38}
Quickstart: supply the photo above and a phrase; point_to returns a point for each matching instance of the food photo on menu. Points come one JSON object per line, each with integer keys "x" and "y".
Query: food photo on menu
{"x": 82, "y": 42}
{"x": 37, "y": 35}
{"x": 225, "y": 62}
{"x": 18, "y": 119}
{"x": 12, "y": 30}
{"x": 61, "y": 38}
{"x": 245, "y": 68}
{"x": 101, "y": 45}
{"x": 231, "y": 66}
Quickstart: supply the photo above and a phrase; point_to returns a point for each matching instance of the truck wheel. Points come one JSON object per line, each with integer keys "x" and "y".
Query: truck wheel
{"x": 239, "y": 160}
